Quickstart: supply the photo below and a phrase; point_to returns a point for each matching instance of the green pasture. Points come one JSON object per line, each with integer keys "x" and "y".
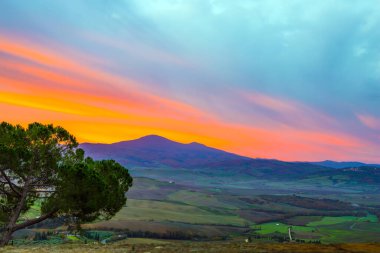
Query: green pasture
{"x": 341, "y": 219}
{"x": 199, "y": 199}
{"x": 273, "y": 227}
{"x": 330, "y": 229}
{"x": 73, "y": 238}
{"x": 151, "y": 210}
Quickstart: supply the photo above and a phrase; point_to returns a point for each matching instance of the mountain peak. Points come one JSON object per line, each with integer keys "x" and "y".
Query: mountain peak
{"x": 196, "y": 144}
{"x": 153, "y": 137}
{"x": 148, "y": 140}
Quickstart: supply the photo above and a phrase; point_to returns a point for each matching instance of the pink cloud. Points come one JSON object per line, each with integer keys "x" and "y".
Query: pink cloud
{"x": 289, "y": 112}
{"x": 369, "y": 121}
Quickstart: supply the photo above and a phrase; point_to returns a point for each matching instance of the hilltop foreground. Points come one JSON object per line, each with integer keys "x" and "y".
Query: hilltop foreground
{"x": 148, "y": 245}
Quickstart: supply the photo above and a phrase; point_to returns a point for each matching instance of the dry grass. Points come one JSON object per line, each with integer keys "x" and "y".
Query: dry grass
{"x": 148, "y": 245}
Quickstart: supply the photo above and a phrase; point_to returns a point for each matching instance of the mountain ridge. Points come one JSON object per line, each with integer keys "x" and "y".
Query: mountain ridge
{"x": 156, "y": 152}
{"x": 157, "y": 140}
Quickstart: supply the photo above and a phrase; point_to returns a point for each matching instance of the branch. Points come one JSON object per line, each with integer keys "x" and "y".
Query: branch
{"x": 34, "y": 221}
{"x": 10, "y": 183}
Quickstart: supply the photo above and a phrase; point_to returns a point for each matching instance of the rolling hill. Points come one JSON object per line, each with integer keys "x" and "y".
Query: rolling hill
{"x": 341, "y": 165}
{"x": 369, "y": 175}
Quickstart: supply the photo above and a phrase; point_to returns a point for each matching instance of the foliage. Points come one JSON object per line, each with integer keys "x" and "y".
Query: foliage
{"x": 42, "y": 163}
{"x": 40, "y": 236}
{"x": 172, "y": 235}
{"x": 97, "y": 235}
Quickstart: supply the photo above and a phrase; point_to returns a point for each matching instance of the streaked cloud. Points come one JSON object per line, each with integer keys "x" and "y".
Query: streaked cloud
{"x": 260, "y": 78}
{"x": 369, "y": 121}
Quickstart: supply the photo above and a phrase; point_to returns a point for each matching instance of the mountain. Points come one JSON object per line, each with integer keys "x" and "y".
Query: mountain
{"x": 156, "y": 151}
{"x": 153, "y": 150}
{"x": 341, "y": 165}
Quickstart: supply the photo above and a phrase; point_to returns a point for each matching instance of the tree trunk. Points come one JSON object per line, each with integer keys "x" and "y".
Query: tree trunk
{"x": 8, "y": 231}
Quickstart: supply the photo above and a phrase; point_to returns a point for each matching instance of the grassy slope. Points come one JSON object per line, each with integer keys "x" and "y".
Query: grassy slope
{"x": 199, "y": 199}
{"x": 176, "y": 212}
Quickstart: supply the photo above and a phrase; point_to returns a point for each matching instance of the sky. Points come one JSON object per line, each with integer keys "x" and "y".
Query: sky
{"x": 296, "y": 80}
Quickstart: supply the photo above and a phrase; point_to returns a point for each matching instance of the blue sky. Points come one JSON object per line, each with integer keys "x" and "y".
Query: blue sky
{"x": 302, "y": 68}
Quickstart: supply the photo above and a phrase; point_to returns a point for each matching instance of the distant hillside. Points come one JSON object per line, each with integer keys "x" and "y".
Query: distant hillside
{"x": 155, "y": 151}
{"x": 268, "y": 168}
{"x": 369, "y": 175}
{"x": 341, "y": 165}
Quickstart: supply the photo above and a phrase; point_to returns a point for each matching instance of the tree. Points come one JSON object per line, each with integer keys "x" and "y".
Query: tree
{"x": 42, "y": 162}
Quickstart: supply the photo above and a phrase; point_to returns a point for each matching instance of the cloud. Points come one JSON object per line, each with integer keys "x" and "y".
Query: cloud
{"x": 272, "y": 103}
{"x": 369, "y": 121}
{"x": 261, "y": 78}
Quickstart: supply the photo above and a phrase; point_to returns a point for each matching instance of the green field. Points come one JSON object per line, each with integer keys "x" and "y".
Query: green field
{"x": 161, "y": 204}
{"x": 330, "y": 229}
{"x": 171, "y": 207}
{"x": 199, "y": 199}
{"x": 161, "y": 207}
{"x": 151, "y": 210}
{"x": 274, "y": 227}
{"x": 336, "y": 220}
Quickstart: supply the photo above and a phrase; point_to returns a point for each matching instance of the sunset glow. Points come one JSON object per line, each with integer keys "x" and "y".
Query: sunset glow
{"x": 110, "y": 76}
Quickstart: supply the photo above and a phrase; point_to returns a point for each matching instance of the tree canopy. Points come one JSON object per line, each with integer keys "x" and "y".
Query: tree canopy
{"x": 43, "y": 162}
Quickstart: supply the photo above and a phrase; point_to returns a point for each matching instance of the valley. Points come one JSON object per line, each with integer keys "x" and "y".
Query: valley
{"x": 213, "y": 194}
{"x": 193, "y": 192}
{"x": 162, "y": 207}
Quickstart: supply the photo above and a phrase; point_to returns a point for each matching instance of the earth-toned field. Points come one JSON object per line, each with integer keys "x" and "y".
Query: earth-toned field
{"x": 170, "y": 210}
{"x": 215, "y": 213}
{"x": 148, "y": 245}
